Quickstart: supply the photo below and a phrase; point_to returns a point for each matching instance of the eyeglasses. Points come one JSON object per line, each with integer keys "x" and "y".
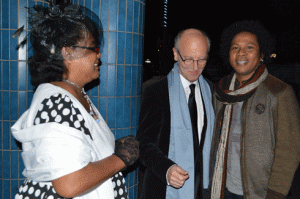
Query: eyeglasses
{"x": 188, "y": 62}
{"x": 95, "y": 49}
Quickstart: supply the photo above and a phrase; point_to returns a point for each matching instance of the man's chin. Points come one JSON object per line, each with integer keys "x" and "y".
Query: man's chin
{"x": 193, "y": 79}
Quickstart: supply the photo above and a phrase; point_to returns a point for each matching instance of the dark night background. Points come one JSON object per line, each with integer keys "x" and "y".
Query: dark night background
{"x": 280, "y": 17}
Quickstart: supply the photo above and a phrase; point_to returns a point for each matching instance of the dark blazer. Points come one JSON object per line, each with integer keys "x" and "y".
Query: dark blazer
{"x": 154, "y": 138}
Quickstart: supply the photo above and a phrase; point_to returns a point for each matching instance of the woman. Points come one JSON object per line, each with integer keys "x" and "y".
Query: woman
{"x": 68, "y": 149}
{"x": 255, "y": 151}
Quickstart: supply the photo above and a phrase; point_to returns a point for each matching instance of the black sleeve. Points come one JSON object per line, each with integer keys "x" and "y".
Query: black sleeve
{"x": 150, "y": 133}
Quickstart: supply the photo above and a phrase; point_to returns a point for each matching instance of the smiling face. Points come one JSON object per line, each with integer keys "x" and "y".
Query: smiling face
{"x": 82, "y": 64}
{"x": 192, "y": 46}
{"x": 244, "y": 55}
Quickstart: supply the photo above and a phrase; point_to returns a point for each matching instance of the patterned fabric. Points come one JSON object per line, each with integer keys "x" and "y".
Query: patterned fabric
{"x": 37, "y": 190}
{"x": 59, "y": 108}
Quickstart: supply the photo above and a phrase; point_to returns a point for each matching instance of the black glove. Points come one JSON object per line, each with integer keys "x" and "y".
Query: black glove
{"x": 127, "y": 149}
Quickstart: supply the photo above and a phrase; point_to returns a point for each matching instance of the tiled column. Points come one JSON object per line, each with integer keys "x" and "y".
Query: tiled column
{"x": 117, "y": 97}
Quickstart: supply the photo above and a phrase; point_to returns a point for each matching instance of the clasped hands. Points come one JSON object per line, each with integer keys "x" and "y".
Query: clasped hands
{"x": 177, "y": 176}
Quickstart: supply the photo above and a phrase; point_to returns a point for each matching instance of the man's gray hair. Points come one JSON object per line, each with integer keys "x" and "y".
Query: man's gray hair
{"x": 178, "y": 37}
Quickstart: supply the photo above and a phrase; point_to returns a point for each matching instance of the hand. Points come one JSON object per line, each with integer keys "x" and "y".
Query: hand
{"x": 127, "y": 149}
{"x": 177, "y": 176}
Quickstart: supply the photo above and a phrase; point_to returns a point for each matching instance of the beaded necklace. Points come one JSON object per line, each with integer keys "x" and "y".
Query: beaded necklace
{"x": 91, "y": 112}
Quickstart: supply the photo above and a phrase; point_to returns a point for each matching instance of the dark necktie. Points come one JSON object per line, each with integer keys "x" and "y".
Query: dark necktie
{"x": 194, "y": 120}
{"x": 197, "y": 150}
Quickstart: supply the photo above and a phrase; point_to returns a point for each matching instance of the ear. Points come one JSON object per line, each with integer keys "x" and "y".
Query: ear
{"x": 175, "y": 54}
{"x": 262, "y": 56}
{"x": 66, "y": 53}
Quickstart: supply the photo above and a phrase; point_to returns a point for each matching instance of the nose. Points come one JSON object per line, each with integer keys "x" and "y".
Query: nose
{"x": 99, "y": 55}
{"x": 241, "y": 51}
{"x": 195, "y": 65}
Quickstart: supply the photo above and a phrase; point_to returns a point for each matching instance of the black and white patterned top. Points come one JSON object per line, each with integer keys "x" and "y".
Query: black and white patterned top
{"x": 60, "y": 109}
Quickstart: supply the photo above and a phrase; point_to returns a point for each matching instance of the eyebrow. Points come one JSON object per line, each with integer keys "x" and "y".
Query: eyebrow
{"x": 189, "y": 57}
{"x": 246, "y": 44}
{"x": 93, "y": 44}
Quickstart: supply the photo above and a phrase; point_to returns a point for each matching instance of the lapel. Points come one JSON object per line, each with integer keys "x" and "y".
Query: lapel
{"x": 163, "y": 93}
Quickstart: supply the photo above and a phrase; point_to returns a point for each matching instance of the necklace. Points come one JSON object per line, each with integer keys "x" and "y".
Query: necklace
{"x": 81, "y": 89}
{"x": 92, "y": 112}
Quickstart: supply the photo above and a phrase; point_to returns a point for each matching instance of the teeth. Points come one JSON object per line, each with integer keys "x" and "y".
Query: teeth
{"x": 242, "y": 62}
{"x": 95, "y": 64}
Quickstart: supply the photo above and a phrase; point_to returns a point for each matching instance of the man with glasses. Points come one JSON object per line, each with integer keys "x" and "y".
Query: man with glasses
{"x": 176, "y": 125}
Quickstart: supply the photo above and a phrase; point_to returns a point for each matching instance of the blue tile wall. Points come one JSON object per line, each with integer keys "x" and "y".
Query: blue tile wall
{"x": 117, "y": 97}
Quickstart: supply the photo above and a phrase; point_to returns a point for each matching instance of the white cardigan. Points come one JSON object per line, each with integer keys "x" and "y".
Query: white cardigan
{"x": 52, "y": 150}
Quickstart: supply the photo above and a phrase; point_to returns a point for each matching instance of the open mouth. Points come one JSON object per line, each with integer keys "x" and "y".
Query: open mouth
{"x": 97, "y": 67}
{"x": 242, "y": 62}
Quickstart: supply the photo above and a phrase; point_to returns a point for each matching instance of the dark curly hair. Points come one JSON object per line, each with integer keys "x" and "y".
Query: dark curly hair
{"x": 53, "y": 28}
{"x": 265, "y": 40}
